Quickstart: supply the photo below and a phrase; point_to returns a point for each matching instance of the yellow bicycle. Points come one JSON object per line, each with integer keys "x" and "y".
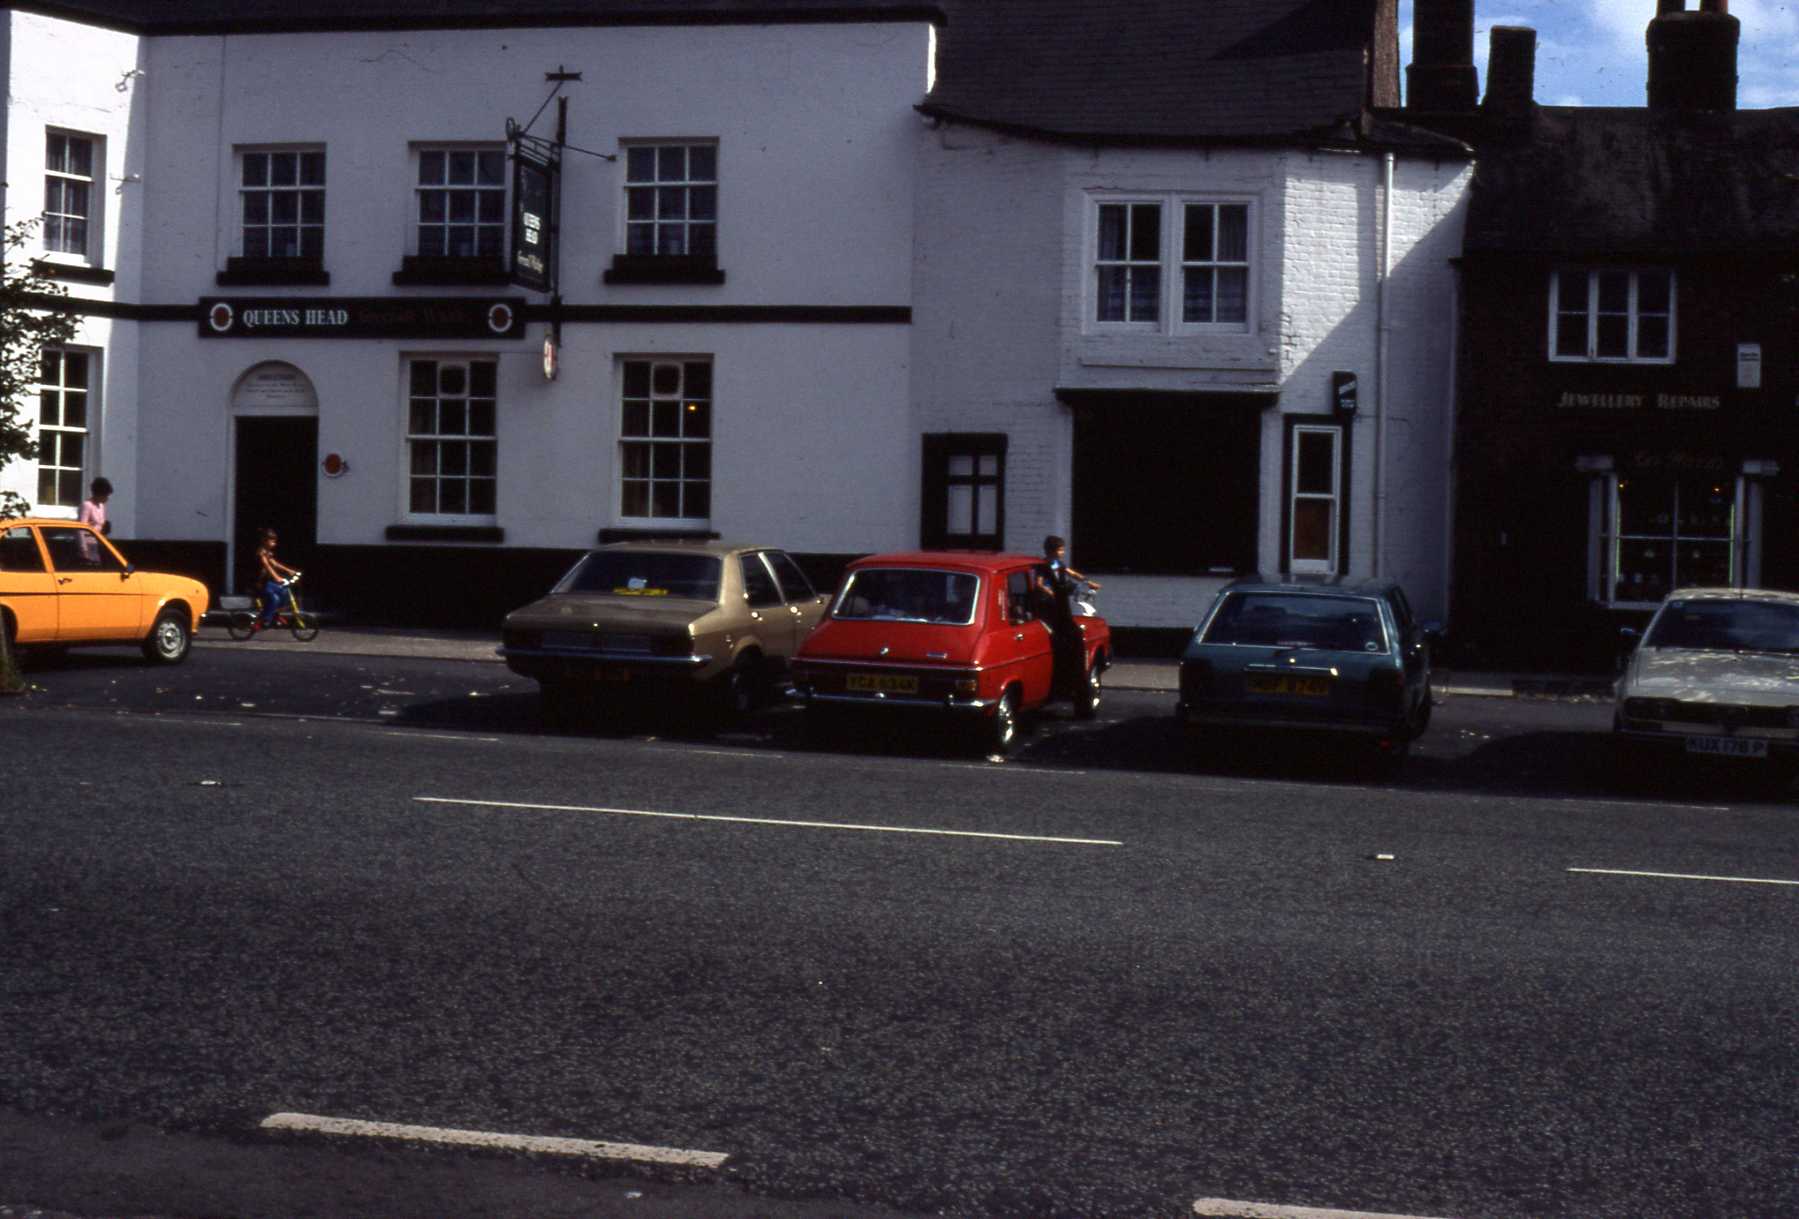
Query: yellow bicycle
{"x": 245, "y": 623}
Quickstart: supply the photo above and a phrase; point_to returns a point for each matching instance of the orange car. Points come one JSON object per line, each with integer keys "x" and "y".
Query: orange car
{"x": 64, "y": 585}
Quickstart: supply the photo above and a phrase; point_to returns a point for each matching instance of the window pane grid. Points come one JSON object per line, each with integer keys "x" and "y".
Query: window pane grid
{"x": 665, "y": 440}
{"x": 461, "y": 203}
{"x": 62, "y": 427}
{"x": 1612, "y": 315}
{"x": 283, "y": 204}
{"x": 68, "y": 192}
{"x": 1663, "y": 533}
{"x": 1129, "y": 265}
{"x": 1215, "y": 264}
{"x": 671, "y": 199}
{"x": 451, "y": 439}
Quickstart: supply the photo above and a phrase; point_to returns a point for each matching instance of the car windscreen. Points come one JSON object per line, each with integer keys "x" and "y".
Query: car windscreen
{"x": 909, "y": 594}
{"x": 1298, "y": 620}
{"x": 1729, "y": 626}
{"x": 645, "y": 573}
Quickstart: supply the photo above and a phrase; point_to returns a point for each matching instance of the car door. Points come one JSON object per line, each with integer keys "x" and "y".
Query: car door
{"x": 1025, "y": 639}
{"x": 769, "y": 619}
{"x": 96, "y": 598}
{"x": 805, "y": 605}
{"x": 1414, "y": 649}
{"x": 27, "y": 589}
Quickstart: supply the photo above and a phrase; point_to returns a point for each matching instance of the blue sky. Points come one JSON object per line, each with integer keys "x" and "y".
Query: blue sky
{"x": 1590, "y": 52}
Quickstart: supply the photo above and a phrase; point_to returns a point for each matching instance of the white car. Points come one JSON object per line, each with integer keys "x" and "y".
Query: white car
{"x": 1715, "y": 676}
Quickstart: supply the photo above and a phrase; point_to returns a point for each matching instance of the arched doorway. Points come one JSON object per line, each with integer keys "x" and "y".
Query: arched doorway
{"x": 274, "y": 470}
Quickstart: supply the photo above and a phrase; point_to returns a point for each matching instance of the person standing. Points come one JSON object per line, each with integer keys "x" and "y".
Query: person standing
{"x": 1066, "y": 640}
{"x": 93, "y": 512}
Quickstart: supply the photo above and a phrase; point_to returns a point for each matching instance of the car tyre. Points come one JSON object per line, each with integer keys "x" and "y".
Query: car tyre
{"x": 169, "y": 638}
{"x": 1087, "y": 698}
{"x": 1001, "y": 731}
{"x": 742, "y": 687}
{"x": 1421, "y": 720}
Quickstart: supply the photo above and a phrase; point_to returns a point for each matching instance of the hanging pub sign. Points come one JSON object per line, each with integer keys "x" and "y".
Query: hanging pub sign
{"x": 535, "y": 177}
{"x": 361, "y": 317}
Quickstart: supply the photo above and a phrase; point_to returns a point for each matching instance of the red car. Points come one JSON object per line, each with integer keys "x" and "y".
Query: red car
{"x": 958, "y": 634}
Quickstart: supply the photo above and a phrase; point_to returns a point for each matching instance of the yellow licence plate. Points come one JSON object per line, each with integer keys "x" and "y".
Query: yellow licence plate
{"x": 1311, "y": 687}
{"x": 881, "y": 683}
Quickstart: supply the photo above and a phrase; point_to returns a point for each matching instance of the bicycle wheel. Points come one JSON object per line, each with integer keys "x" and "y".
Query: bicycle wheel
{"x": 304, "y": 626}
{"x": 241, "y": 624}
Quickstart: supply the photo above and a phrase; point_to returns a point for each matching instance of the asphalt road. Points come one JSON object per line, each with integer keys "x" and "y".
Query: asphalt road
{"x": 879, "y": 975}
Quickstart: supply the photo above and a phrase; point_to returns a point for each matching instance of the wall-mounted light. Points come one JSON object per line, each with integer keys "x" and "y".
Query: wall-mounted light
{"x": 335, "y": 465}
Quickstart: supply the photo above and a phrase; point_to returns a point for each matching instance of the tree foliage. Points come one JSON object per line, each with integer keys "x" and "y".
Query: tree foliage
{"x": 34, "y": 315}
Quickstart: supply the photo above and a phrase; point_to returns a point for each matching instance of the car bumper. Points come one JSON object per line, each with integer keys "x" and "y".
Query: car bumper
{"x": 1258, "y": 719}
{"x": 576, "y": 664}
{"x": 1701, "y": 741}
{"x": 896, "y": 702}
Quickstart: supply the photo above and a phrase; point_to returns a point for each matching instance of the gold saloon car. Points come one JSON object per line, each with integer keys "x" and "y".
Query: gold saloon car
{"x": 65, "y": 585}
{"x": 640, "y": 621}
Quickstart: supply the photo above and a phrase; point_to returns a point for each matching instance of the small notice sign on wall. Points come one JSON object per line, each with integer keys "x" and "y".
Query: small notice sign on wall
{"x": 1749, "y": 365}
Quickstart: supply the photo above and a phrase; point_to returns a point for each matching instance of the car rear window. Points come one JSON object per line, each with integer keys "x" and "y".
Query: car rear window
{"x": 909, "y": 594}
{"x": 1728, "y": 626}
{"x": 1301, "y": 620}
{"x": 634, "y": 573}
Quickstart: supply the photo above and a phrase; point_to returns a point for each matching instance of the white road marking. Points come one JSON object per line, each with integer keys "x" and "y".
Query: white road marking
{"x": 1734, "y": 880}
{"x": 1224, "y": 1208}
{"x": 591, "y": 1149}
{"x": 441, "y": 736}
{"x": 803, "y": 825}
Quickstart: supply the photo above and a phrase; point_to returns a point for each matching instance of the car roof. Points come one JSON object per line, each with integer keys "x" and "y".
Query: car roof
{"x": 1775, "y": 596}
{"x": 1355, "y": 586}
{"x": 41, "y": 520}
{"x": 700, "y": 546}
{"x": 977, "y": 561}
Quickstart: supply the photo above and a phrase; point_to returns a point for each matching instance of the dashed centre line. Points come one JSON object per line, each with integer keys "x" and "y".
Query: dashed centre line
{"x": 1224, "y": 1208}
{"x": 307, "y": 1123}
{"x": 775, "y": 821}
{"x": 1732, "y": 880}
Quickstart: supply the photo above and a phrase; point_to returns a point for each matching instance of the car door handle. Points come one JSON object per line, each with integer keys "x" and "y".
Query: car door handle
{"x": 65, "y": 579}
{"x": 1018, "y": 638}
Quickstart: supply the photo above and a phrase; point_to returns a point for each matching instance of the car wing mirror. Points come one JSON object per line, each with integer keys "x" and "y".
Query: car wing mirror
{"x": 1629, "y": 636}
{"x": 130, "y": 570}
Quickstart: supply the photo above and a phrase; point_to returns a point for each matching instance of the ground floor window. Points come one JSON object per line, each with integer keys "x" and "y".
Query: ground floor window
{"x": 1653, "y": 530}
{"x": 964, "y": 491}
{"x": 1314, "y": 499}
{"x": 64, "y": 384}
{"x": 665, "y": 440}
{"x": 451, "y": 441}
{"x": 1167, "y": 488}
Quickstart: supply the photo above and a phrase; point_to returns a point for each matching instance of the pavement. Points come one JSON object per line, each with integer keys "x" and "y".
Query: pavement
{"x": 1126, "y": 673}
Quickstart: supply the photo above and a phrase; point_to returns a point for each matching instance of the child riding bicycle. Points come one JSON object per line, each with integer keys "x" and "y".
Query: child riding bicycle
{"x": 275, "y": 576}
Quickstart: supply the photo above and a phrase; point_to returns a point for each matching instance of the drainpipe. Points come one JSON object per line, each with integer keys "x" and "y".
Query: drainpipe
{"x": 1380, "y": 365}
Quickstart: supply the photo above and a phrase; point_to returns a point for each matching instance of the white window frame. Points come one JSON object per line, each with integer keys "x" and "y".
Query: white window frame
{"x": 650, "y": 438}
{"x": 1605, "y": 539}
{"x": 482, "y": 192}
{"x": 88, "y": 432}
{"x": 686, "y": 183}
{"x": 299, "y": 189}
{"x": 1171, "y": 263}
{"x": 1334, "y": 497}
{"x": 1591, "y": 354}
{"x": 439, "y": 438}
{"x": 93, "y": 218}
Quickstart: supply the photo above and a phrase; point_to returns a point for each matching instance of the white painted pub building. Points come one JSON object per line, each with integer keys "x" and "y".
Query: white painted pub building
{"x": 836, "y": 276}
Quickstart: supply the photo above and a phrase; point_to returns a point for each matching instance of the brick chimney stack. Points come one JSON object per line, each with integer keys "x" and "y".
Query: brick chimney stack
{"x": 1441, "y": 77}
{"x": 1693, "y": 56}
{"x": 1511, "y": 77}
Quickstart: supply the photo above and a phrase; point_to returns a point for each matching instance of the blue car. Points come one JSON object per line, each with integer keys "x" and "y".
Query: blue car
{"x": 1340, "y": 658}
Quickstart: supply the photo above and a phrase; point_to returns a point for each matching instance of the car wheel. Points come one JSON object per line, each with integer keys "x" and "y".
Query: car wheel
{"x": 1001, "y": 732}
{"x": 740, "y": 689}
{"x": 1421, "y": 720}
{"x": 168, "y": 640}
{"x": 1086, "y": 699}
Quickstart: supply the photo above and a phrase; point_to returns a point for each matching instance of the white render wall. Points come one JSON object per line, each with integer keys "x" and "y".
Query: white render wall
{"x": 86, "y": 81}
{"x": 813, "y": 444}
{"x": 1003, "y": 273}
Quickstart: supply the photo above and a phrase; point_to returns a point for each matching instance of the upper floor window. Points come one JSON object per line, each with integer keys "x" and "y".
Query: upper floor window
{"x": 1612, "y": 314}
{"x": 671, "y": 200}
{"x": 665, "y": 440}
{"x": 1172, "y": 263}
{"x": 71, "y": 169}
{"x": 461, "y": 203}
{"x": 283, "y": 200}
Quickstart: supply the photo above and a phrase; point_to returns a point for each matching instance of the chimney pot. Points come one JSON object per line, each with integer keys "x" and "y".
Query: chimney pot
{"x": 1511, "y": 76}
{"x": 1441, "y": 77}
{"x": 1693, "y": 57}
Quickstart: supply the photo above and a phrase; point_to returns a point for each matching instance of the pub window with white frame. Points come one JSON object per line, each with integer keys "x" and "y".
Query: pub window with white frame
{"x": 281, "y": 195}
{"x": 1171, "y": 264}
{"x": 460, "y": 204}
{"x": 1612, "y": 314}
{"x": 65, "y": 390}
{"x": 665, "y": 439}
{"x": 1314, "y": 511}
{"x": 451, "y": 440}
{"x": 73, "y": 169}
{"x": 1655, "y": 531}
{"x": 671, "y": 200}
{"x": 964, "y": 503}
